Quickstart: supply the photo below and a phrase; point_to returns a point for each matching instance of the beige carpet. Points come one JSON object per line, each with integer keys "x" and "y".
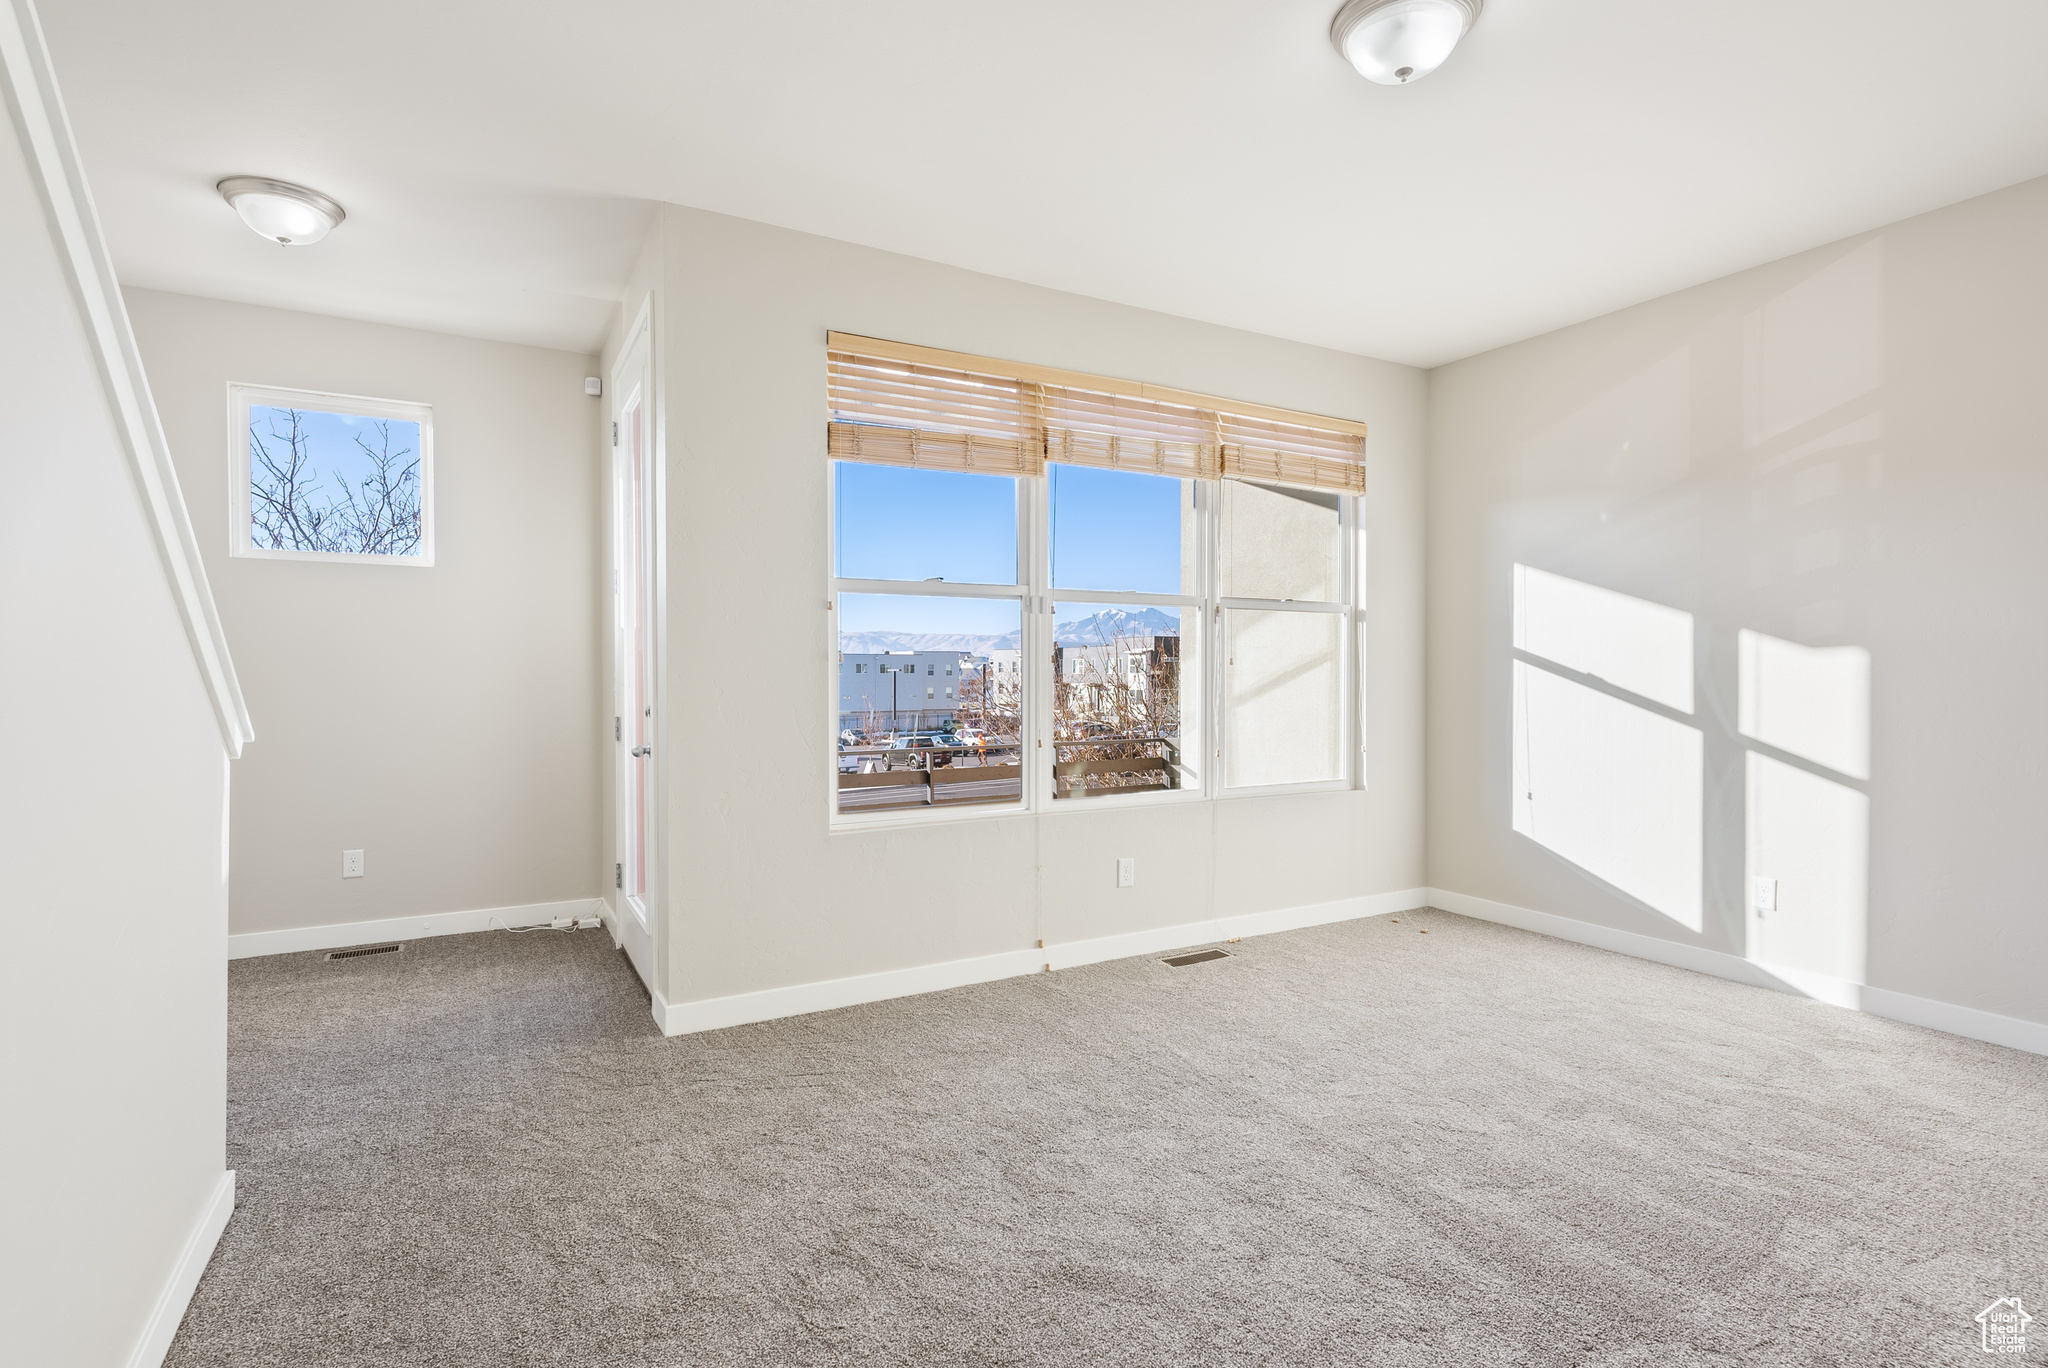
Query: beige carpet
{"x": 1355, "y": 1144}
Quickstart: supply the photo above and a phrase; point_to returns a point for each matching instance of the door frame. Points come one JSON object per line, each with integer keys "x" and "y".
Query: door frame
{"x": 633, "y": 375}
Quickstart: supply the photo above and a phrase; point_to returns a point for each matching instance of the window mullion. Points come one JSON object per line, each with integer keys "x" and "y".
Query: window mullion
{"x": 929, "y": 588}
{"x": 1069, "y": 595}
{"x": 1348, "y": 680}
{"x": 1211, "y": 627}
{"x": 1038, "y": 641}
{"x": 1286, "y": 605}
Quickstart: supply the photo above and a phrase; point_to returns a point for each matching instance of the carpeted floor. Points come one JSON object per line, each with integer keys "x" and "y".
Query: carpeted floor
{"x": 1355, "y": 1144}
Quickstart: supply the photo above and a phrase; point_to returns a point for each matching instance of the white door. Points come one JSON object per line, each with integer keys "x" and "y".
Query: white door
{"x": 636, "y": 635}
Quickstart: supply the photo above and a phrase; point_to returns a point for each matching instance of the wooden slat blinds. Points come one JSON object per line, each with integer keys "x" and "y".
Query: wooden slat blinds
{"x": 933, "y": 417}
{"x": 1293, "y": 454}
{"x": 1117, "y": 431}
{"x": 899, "y": 404}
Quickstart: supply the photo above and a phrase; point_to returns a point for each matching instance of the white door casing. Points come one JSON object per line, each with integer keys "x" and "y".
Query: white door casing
{"x": 638, "y": 654}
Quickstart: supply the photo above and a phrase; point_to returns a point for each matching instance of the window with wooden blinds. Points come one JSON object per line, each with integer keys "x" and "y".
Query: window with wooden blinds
{"x": 896, "y": 412}
{"x": 898, "y": 404}
{"x": 1293, "y": 454}
{"x": 1119, "y": 432}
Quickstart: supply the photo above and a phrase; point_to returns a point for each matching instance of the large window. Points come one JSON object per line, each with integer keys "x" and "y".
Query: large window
{"x": 1049, "y": 588}
{"x": 331, "y": 477}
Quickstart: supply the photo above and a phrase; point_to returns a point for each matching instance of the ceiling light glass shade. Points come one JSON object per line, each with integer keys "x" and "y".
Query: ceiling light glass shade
{"x": 1395, "y": 42}
{"x": 283, "y": 212}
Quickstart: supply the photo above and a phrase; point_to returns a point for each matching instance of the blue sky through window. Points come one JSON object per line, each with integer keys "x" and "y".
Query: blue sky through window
{"x": 1116, "y": 530}
{"x": 1111, "y": 529}
{"x": 893, "y": 523}
{"x": 335, "y": 482}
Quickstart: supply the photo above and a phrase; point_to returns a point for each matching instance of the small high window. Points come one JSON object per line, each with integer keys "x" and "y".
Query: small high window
{"x": 331, "y": 477}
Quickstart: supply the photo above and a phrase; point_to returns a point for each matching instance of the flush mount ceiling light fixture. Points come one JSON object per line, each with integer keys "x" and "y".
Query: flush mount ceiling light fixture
{"x": 283, "y": 212}
{"x": 1395, "y": 42}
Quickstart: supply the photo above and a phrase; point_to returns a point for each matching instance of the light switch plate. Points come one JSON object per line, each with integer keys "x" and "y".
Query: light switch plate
{"x": 351, "y": 864}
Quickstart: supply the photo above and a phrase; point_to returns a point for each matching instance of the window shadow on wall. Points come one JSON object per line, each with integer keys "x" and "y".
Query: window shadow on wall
{"x": 1711, "y": 763}
{"x": 1608, "y": 774}
{"x": 1805, "y": 715}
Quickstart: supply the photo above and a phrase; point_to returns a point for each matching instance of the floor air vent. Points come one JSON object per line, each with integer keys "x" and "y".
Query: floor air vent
{"x": 1199, "y": 957}
{"x": 364, "y": 950}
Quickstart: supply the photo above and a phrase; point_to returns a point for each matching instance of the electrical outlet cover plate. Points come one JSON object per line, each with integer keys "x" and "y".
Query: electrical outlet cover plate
{"x": 351, "y": 864}
{"x": 1765, "y": 895}
{"x": 1126, "y": 873}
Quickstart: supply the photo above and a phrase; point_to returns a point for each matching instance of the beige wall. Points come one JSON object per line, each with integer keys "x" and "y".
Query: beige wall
{"x": 448, "y": 721}
{"x": 1844, "y": 449}
{"x": 762, "y": 893}
{"x": 113, "y": 793}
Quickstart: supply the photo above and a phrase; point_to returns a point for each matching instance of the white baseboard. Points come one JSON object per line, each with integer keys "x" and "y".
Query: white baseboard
{"x": 162, "y": 1326}
{"x": 683, "y": 1018}
{"x": 1069, "y": 954}
{"x": 2012, "y": 1032}
{"x": 295, "y": 939}
{"x": 1696, "y": 958}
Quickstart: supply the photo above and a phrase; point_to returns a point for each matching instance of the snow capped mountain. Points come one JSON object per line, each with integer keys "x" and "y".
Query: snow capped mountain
{"x": 1103, "y": 628}
{"x": 1112, "y": 625}
{"x": 875, "y": 643}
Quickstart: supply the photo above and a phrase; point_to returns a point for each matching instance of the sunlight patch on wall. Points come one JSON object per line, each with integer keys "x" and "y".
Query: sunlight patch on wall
{"x": 1631, "y": 643}
{"x": 1810, "y": 702}
{"x": 1612, "y": 787}
{"x": 1808, "y": 855}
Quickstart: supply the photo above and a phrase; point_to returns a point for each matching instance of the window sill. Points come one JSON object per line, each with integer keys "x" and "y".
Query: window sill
{"x": 925, "y": 816}
{"x": 1288, "y": 790}
{"x": 425, "y": 560}
{"x": 895, "y": 818}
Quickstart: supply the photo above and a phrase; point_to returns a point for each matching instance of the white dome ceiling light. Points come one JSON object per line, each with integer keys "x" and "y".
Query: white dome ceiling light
{"x": 283, "y": 212}
{"x": 1395, "y": 42}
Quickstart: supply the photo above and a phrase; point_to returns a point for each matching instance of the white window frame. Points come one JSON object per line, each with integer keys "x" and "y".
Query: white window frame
{"x": 1202, "y": 612}
{"x": 241, "y": 397}
{"x": 1350, "y": 673}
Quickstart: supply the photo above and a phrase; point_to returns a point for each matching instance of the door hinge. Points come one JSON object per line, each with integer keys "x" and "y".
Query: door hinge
{"x": 618, "y": 876}
{"x": 618, "y": 729}
{"x": 615, "y": 434}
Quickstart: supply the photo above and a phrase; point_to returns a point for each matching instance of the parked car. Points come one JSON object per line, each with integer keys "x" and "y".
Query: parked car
{"x": 920, "y": 746}
{"x": 857, "y": 752}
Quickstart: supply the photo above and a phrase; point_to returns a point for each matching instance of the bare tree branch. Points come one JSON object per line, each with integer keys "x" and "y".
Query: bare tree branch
{"x": 289, "y": 510}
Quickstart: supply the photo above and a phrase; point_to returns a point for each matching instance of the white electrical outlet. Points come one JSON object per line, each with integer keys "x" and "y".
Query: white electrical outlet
{"x": 1764, "y": 896}
{"x": 351, "y": 864}
{"x": 1126, "y": 873}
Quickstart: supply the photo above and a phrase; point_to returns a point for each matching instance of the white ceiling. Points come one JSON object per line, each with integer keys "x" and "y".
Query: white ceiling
{"x": 1209, "y": 158}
